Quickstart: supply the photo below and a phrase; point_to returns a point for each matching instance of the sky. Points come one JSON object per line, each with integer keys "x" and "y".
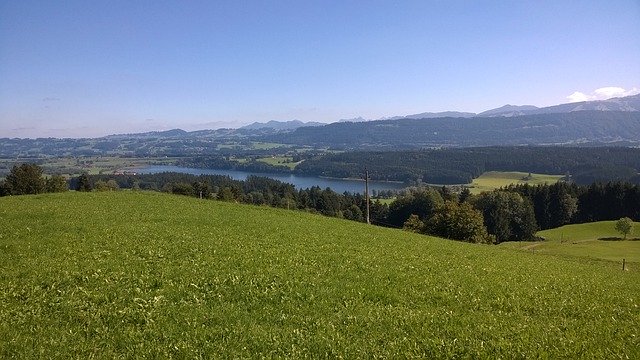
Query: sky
{"x": 92, "y": 68}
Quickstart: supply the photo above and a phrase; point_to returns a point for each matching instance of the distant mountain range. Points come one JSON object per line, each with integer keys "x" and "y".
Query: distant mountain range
{"x": 629, "y": 103}
{"x": 607, "y": 122}
{"x": 578, "y": 127}
{"x": 281, "y": 125}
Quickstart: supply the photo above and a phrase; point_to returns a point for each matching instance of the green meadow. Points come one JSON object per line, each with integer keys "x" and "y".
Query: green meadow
{"x": 149, "y": 275}
{"x": 492, "y": 180}
{"x": 591, "y": 241}
{"x": 280, "y": 161}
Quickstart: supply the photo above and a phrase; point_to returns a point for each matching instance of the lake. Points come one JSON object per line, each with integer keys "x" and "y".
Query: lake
{"x": 300, "y": 182}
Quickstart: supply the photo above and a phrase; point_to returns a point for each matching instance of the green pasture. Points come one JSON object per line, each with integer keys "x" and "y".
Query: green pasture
{"x": 387, "y": 201}
{"x": 595, "y": 241}
{"x": 149, "y": 275}
{"x": 492, "y": 180}
{"x": 280, "y": 161}
{"x": 265, "y": 145}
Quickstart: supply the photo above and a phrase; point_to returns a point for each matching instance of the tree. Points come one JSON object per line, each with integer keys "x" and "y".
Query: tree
{"x": 353, "y": 212}
{"x": 110, "y": 185}
{"x": 83, "y": 183}
{"x": 460, "y": 222}
{"x": 507, "y": 215}
{"x": 56, "y": 183}
{"x": 624, "y": 226}
{"x": 413, "y": 224}
{"x": 25, "y": 179}
{"x": 4, "y": 189}
{"x": 465, "y": 195}
{"x": 421, "y": 202}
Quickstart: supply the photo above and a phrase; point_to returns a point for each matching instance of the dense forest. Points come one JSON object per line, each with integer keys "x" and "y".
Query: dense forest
{"x": 508, "y": 214}
{"x": 460, "y": 166}
{"x": 577, "y": 127}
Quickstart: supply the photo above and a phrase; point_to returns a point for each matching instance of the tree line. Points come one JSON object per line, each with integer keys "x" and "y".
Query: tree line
{"x": 513, "y": 213}
{"x": 583, "y": 165}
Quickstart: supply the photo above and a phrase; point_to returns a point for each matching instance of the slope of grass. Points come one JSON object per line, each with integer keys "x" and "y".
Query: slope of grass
{"x": 588, "y": 231}
{"x": 131, "y": 274}
{"x": 492, "y": 180}
{"x": 585, "y": 241}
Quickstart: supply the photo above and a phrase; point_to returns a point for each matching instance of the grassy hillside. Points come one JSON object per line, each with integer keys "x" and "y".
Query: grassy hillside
{"x": 131, "y": 274}
{"x": 492, "y": 180}
{"x": 586, "y": 241}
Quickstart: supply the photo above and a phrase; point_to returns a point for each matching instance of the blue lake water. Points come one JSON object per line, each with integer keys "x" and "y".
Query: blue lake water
{"x": 300, "y": 182}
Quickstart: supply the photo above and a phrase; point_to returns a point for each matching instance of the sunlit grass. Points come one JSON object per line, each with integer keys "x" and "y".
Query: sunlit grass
{"x": 280, "y": 161}
{"x": 492, "y": 180}
{"x": 135, "y": 274}
{"x": 590, "y": 241}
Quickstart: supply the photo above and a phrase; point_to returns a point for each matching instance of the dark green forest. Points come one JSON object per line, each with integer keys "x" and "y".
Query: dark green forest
{"x": 577, "y": 127}
{"x": 584, "y": 165}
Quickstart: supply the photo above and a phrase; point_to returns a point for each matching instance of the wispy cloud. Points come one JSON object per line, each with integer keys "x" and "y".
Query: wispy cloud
{"x": 603, "y": 93}
{"x": 49, "y": 99}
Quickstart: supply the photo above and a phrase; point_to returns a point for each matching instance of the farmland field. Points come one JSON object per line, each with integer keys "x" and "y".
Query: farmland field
{"x": 136, "y": 274}
{"x": 492, "y": 180}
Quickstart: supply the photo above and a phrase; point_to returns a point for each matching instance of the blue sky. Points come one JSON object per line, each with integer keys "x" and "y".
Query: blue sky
{"x": 91, "y": 68}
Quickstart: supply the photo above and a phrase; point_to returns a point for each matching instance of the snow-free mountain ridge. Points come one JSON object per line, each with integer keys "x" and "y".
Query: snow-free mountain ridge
{"x": 628, "y": 103}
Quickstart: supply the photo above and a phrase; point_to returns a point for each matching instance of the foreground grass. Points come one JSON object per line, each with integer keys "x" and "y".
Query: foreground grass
{"x": 586, "y": 241}
{"x": 492, "y": 180}
{"x": 151, "y": 275}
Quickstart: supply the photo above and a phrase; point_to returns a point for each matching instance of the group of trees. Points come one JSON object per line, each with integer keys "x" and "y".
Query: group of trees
{"x": 562, "y": 203}
{"x": 28, "y": 179}
{"x": 461, "y": 166}
{"x": 513, "y": 213}
{"x": 491, "y": 217}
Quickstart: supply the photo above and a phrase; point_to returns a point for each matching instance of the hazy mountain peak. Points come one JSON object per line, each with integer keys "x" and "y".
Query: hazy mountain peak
{"x": 509, "y": 110}
{"x": 280, "y": 125}
{"x": 358, "y": 119}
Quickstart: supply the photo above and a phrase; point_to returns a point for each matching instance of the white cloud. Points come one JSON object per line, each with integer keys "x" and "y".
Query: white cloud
{"x": 578, "y": 96}
{"x": 603, "y": 93}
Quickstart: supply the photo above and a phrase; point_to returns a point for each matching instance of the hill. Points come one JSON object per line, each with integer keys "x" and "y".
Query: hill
{"x": 627, "y": 103}
{"x": 280, "y": 125}
{"x": 589, "y": 241}
{"x": 135, "y": 274}
{"x": 578, "y": 127}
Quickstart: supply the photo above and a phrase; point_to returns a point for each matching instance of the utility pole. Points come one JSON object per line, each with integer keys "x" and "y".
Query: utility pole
{"x": 366, "y": 191}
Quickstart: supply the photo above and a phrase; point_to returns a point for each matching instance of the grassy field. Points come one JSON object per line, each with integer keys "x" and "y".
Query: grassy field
{"x": 136, "y": 274}
{"x": 384, "y": 200}
{"x": 492, "y": 180}
{"x": 280, "y": 161}
{"x": 582, "y": 241}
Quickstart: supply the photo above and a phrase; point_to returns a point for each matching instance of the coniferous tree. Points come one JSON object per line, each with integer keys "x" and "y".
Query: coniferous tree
{"x": 83, "y": 183}
{"x": 25, "y": 179}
